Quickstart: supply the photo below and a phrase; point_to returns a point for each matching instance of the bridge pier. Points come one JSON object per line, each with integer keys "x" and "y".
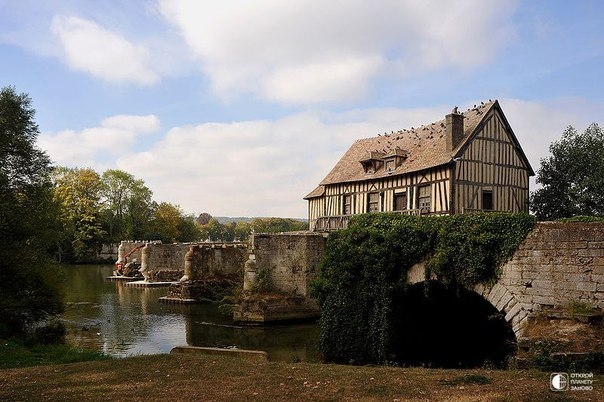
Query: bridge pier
{"x": 277, "y": 277}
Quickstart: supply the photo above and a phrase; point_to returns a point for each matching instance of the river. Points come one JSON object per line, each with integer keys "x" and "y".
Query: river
{"x": 126, "y": 321}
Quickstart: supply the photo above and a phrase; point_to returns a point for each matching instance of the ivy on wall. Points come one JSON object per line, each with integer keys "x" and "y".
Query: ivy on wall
{"x": 366, "y": 264}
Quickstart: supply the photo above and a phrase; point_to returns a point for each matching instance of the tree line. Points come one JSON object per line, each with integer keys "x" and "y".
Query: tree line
{"x": 96, "y": 209}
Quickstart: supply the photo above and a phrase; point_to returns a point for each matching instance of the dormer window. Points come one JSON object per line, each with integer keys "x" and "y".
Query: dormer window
{"x": 373, "y": 162}
{"x": 394, "y": 159}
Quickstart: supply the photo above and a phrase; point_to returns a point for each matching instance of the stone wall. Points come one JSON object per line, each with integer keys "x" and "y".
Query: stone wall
{"x": 557, "y": 264}
{"x": 215, "y": 259}
{"x": 278, "y": 275}
{"x": 290, "y": 259}
{"x": 206, "y": 258}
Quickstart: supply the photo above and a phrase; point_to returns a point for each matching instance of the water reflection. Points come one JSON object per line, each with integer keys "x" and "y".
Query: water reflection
{"x": 124, "y": 321}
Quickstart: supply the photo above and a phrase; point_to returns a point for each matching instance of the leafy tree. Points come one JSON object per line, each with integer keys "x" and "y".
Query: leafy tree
{"x": 203, "y": 219}
{"x": 79, "y": 193}
{"x": 171, "y": 225}
{"x": 188, "y": 231}
{"x": 242, "y": 230}
{"x": 29, "y": 286}
{"x": 276, "y": 225}
{"x": 127, "y": 206}
{"x": 572, "y": 177}
{"x": 213, "y": 231}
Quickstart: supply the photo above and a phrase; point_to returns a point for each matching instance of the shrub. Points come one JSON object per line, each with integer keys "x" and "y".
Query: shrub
{"x": 366, "y": 264}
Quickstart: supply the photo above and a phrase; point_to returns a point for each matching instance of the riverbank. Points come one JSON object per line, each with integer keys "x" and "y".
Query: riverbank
{"x": 220, "y": 378}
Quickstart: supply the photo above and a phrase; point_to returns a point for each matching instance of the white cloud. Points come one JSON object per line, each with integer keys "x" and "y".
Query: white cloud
{"x": 257, "y": 168}
{"x": 539, "y": 123}
{"x": 305, "y": 51}
{"x": 96, "y": 146}
{"x": 104, "y": 54}
{"x": 263, "y": 167}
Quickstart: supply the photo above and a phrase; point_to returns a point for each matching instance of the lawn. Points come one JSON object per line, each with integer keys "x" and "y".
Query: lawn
{"x": 219, "y": 378}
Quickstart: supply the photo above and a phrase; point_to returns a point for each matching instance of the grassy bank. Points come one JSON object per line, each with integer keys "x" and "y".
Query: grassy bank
{"x": 217, "y": 378}
{"x": 19, "y": 354}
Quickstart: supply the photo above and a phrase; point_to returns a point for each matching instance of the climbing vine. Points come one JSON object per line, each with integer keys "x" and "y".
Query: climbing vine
{"x": 366, "y": 264}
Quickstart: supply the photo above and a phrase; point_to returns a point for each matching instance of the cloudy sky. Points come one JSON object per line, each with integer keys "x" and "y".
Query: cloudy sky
{"x": 240, "y": 108}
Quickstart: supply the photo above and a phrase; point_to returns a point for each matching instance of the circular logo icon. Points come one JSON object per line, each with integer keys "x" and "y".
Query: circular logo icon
{"x": 558, "y": 381}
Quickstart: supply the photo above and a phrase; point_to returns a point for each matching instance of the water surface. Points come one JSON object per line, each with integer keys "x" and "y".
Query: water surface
{"x": 124, "y": 321}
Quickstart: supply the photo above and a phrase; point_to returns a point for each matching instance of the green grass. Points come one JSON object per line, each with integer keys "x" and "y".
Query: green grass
{"x": 15, "y": 353}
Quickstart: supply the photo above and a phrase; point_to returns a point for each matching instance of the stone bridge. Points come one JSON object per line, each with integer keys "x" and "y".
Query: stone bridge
{"x": 557, "y": 264}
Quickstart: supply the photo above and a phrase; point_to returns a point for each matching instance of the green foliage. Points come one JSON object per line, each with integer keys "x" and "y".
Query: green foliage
{"x": 470, "y": 248}
{"x": 578, "y": 307}
{"x": 263, "y": 280}
{"x": 572, "y": 177}
{"x": 29, "y": 286}
{"x": 544, "y": 359}
{"x": 78, "y": 192}
{"x": 366, "y": 265}
{"x": 20, "y": 354}
{"x": 240, "y": 230}
{"x": 127, "y": 206}
{"x": 171, "y": 225}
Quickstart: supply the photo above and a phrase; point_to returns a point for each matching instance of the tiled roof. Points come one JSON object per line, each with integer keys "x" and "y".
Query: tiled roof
{"x": 425, "y": 147}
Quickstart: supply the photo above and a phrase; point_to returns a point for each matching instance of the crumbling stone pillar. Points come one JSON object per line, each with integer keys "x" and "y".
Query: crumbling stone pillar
{"x": 145, "y": 263}
{"x": 120, "y": 254}
{"x": 249, "y": 275}
{"x": 189, "y": 272}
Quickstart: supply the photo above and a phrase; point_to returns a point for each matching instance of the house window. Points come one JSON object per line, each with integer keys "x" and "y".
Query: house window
{"x": 400, "y": 201}
{"x": 347, "y": 205}
{"x": 373, "y": 202}
{"x": 390, "y": 165}
{"x": 487, "y": 200}
{"x": 424, "y": 198}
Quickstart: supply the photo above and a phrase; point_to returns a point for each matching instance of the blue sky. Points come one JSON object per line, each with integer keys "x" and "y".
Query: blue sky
{"x": 240, "y": 108}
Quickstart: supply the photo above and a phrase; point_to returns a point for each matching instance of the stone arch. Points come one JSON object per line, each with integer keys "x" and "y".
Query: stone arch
{"x": 444, "y": 327}
{"x": 498, "y": 295}
{"x": 516, "y": 313}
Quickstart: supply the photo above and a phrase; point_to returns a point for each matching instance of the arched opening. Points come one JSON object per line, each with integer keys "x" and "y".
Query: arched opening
{"x": 441, "y": 327}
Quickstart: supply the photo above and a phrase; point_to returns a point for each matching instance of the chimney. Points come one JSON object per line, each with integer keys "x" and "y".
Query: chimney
{"x": 454, "y": 122}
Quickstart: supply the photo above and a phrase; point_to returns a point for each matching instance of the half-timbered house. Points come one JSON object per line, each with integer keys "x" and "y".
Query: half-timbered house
{"x": 468, "y": 162}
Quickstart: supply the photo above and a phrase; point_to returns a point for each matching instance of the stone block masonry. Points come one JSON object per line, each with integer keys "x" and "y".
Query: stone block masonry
{"x": 291, "y": 260}
{"x": 556, "y": 265}
{"x": 167, "y": 261}
{"x": 277, "y": 277}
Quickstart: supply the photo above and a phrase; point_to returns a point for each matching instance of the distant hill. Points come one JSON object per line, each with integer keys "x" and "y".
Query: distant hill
{"x": 228, "y": 219}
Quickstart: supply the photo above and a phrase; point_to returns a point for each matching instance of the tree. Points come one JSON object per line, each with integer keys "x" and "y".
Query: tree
{"x": 203, "y": 218}
{"x": 275, "y": 225}
{"x": 572, "y": 177}
{"x": 29, "y": 286}
{"x": 172, "y": 225}
{"x": 127, "y": 206}
{"x": 78, "y": 191}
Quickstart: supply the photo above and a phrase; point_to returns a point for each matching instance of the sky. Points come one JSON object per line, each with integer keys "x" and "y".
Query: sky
{"x": 240, "y": 108}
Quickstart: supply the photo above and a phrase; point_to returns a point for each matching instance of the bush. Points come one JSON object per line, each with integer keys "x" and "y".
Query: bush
{"x": 366, "y": 264}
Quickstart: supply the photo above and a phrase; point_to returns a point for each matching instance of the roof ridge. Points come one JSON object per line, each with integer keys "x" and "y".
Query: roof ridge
{"x": 475, "y": 108}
